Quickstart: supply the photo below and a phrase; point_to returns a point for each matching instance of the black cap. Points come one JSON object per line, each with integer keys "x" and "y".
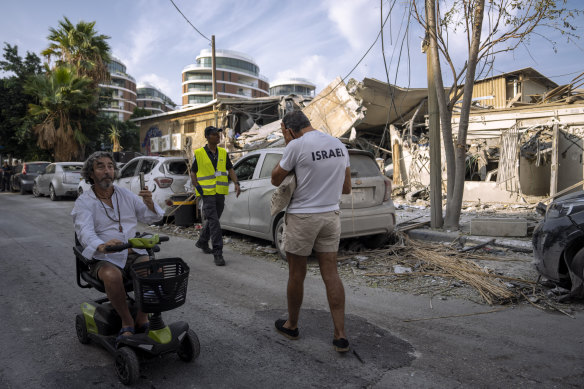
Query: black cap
{"x": 211, "y": 130}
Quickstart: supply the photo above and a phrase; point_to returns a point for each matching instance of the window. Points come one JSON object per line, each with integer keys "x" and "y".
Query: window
{"x": 72, "y": 168}
{"x": 129, "y": 169}
{"x": 50, "y": 169}
{"x": 244, "y": 170}
{"x": 270, "y": 161}
{"x": 177, "y": 167}
{"x": 147, "y": 166}
{"x": 363, "y": 166}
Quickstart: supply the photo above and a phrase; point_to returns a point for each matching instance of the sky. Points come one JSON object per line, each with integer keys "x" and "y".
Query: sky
{"x": 314, "y": 39}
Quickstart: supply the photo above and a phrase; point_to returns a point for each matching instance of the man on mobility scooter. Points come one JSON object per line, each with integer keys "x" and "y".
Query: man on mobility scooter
{"x": 105, "y": 219}
{"x": 107, "y": 216}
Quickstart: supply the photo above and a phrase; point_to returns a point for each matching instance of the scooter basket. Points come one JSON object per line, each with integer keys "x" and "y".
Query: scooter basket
{"x": 160, "y": 285}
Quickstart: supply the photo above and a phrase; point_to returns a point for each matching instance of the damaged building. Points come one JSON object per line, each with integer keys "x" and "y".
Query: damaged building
{"x": 524, "y": 137}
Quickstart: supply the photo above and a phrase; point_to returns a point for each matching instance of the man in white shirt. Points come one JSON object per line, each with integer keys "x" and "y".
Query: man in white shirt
{"x": 107, "y": 216}
{"x": 321, "y": 164}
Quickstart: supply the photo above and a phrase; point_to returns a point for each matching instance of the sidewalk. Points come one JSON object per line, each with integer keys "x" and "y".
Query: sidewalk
{"x": 409, "y": 214}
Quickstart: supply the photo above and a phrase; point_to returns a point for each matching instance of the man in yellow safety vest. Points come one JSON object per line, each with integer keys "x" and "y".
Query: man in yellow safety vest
{"x": 211, "y": 166}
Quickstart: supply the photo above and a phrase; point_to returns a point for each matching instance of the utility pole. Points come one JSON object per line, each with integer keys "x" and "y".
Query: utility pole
{"x": 436, "y": 220}
{"x": 214, "y": 77}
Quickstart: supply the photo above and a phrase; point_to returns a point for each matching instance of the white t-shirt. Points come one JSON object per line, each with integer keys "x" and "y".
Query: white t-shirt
{"x": 319, "y": 161}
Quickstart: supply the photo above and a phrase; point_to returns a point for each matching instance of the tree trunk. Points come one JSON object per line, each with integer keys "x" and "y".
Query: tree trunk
{"x": 445, "y": 113}
{"x": 455, "y": 203}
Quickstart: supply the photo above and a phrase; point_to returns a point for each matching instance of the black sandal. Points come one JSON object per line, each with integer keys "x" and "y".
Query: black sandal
{"x": 290, "y": 334}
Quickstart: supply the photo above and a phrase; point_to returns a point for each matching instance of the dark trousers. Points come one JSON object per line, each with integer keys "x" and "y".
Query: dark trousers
{"x": 213, "y": 208}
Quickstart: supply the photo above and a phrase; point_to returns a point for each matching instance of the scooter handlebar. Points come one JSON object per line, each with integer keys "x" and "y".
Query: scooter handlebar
{"x": 118, "y": 247}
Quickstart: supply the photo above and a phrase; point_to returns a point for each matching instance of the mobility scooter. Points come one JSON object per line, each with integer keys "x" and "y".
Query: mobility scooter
{"x": 159, "y": 285}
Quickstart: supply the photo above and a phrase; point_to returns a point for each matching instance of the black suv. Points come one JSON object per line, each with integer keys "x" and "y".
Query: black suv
{"x": 23, "y": 176}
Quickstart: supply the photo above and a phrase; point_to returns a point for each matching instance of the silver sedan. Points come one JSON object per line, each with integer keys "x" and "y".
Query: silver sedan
{"x": 57, "y": 180}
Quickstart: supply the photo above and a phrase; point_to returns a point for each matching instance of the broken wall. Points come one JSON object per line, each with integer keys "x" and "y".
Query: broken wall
{"x": 570, "y": 150}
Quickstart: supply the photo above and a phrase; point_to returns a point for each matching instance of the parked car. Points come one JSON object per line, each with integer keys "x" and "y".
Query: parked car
{"x": 558, "y": 243}
{"x": 23, "y": 177}
{"x": 57, "y": 180}
{"x": 368, "y": 211}
{"x": 164, "y": 176}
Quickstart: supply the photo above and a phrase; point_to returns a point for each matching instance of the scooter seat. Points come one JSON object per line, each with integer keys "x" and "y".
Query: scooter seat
{"x": 83, "y": 273}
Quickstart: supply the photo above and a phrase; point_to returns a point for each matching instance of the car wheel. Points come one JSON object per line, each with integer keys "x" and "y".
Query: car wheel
{"x": 279, "y": 238}
{"x": 52, "y": 194}
{"x": 576, "y": 267}
{"x": 375, "y": 241}
{"x": 35, "y": 190}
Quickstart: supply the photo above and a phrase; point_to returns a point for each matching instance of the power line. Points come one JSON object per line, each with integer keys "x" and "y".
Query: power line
{"x": 189, "y": 22}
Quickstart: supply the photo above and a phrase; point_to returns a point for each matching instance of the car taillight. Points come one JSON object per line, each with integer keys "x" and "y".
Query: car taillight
{"x": 387, "y": 194}
{"x": 163, "y": 182}
{"x": 24, "y": 168}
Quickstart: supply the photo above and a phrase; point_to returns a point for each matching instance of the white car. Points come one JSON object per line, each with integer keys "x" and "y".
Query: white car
{"x": 57, "y": 180}
{"x": 164, "y": 176}
{"x": 367, "y": 211}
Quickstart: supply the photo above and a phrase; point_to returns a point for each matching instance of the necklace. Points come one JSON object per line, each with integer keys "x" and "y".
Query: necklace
{"x": 119, "y": 221}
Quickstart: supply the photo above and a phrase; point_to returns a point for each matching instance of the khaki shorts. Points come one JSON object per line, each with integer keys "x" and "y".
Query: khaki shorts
{"x": 132, "y": 257}
{"x": 307, "y": 231}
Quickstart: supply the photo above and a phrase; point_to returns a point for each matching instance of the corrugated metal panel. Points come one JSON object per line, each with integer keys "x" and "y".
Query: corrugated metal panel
{"x": 490, "y": 92}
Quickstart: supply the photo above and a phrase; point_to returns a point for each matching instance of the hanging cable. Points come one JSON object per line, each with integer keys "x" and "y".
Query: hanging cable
{"x": 189, "y": 22}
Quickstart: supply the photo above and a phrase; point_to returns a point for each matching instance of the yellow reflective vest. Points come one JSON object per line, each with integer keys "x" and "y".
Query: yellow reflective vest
{"x": 212, "y": 181}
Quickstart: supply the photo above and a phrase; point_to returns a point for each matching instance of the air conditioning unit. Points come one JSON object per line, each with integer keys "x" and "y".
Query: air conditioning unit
{"x": 165, "y": 143}
{"x": 176, "y": 142}
{"x": 155, "y": 145}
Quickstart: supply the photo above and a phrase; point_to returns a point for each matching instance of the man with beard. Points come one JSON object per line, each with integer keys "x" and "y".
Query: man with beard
{"x": 108, "y": 215}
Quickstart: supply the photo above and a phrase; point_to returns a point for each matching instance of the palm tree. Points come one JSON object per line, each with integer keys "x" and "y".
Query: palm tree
{"x": 114, "y": 136}
{"x": 81, "y": 46}
{"x": 62, "y": 99}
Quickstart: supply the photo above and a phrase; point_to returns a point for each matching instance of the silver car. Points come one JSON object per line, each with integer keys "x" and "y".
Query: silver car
{"x": 367, "y": 211}
{"x": 57, "y": 180}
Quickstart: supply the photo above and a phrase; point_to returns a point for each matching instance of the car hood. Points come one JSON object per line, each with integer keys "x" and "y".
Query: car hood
{"x": 576, "y": 197}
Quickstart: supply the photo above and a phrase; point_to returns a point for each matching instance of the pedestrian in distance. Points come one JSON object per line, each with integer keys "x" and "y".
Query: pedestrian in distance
{"x": 108, "y": 215}
{"x": 6, "y": 174}
{"x": 312, "y": 220}
{"x": 211, "y": 167}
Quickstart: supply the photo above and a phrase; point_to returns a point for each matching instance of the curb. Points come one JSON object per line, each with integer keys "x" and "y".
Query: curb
{"x": 523, "y": 246}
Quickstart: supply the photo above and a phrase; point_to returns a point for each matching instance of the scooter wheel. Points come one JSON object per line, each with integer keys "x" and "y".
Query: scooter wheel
{"x": 189, "y": 348}
{"x": 127, "y": 366}
{"x": 81, "y": 328}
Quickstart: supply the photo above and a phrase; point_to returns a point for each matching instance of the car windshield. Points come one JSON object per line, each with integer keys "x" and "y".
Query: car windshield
{"x": 177, "y": 167}
{"x": 36, "y": 168}
{"x": 72, "y": 168}
{"x": 363, "y": 166}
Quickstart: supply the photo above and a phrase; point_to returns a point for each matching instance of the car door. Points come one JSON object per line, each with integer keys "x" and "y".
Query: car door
{"x": 260, "y": 194}
{"x": 128, "y": 173}
{"x": 236, "y": 212}
{"x": 44, "y": 179}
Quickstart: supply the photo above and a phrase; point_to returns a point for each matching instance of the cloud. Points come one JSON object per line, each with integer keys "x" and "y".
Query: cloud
{"x": 161, "y": 83}
{"x": 356, "y": 20}
{"x": 312, "y": 67}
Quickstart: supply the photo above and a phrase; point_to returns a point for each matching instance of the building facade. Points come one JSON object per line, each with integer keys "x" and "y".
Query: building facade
{"x": 121, "y": 92}
{"x": 150, "y": 98}
{"x": 237, "y": 76}
{"x": 289, "y": 86}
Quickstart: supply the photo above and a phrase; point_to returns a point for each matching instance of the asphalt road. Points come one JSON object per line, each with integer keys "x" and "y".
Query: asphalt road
{"x": 400, "y": 340}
